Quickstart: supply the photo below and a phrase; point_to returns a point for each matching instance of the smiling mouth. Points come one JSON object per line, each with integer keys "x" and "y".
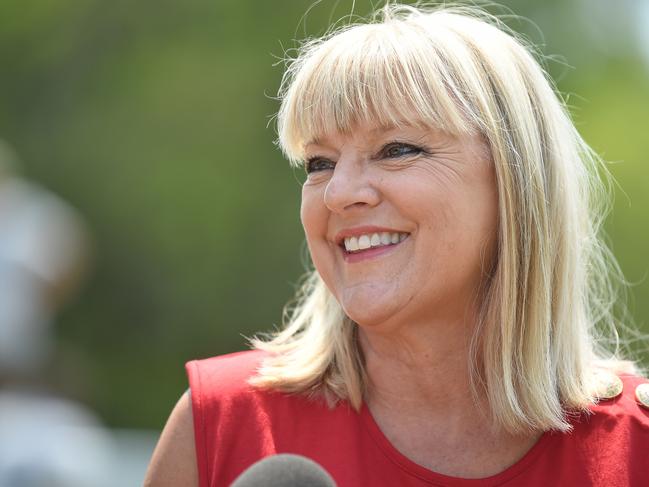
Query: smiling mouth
{"x": 367, "y": 241}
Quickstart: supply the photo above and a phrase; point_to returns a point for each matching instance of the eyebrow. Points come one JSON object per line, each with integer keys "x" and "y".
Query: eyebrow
{"x": 372, "y": 132}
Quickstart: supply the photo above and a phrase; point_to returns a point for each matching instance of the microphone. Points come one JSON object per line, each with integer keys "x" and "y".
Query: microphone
{"x": 284, "y": 470}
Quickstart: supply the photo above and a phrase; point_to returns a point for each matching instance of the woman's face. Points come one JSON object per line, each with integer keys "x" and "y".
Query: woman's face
{"x": 401, "y": 223}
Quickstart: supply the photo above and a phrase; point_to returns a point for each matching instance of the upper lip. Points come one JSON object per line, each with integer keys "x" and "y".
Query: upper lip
{"x": 362, "y": 230}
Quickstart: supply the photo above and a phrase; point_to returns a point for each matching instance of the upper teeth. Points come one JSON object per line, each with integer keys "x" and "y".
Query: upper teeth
{"x": 362, "y": 242}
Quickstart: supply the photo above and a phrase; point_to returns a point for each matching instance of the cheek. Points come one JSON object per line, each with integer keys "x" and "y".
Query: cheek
{"x": 314, "y": 215}
{"x": 477, "y": 228}
{"x": 308, "y": 210}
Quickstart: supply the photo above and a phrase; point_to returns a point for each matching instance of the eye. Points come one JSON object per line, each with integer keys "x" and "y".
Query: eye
{"x": 317, "y": 163}
{"x": 399, "y": 149}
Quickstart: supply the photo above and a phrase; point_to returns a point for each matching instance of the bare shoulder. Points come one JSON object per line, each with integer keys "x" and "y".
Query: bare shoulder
{"x": 174, "y": 460}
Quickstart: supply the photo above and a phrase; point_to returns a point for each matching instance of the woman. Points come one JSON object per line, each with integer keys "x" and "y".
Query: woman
{"x": 452, "y": 330}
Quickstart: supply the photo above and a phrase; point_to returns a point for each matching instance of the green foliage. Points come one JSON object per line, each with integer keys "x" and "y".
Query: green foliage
{"x": 611, "y": 114}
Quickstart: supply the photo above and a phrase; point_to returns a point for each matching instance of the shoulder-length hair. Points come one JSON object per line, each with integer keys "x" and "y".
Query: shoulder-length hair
{"x": 548, "y": 302}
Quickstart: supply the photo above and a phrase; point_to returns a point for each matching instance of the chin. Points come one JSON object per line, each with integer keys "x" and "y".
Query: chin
{"x": 369, "y": 304}
{"x": 368, "y": 319}
{"x": 369, "y": 312}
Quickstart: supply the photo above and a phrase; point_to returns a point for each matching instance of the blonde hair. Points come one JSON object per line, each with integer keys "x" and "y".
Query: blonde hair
{"x": 548, "y": 304}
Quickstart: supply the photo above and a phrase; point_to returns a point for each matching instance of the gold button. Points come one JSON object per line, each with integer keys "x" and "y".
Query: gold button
{"x": 607, "y": 385}
{"x": 642, "y": 394}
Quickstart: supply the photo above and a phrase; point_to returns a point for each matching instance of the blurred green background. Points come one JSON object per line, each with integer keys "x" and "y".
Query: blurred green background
{"x": 152, "y": 118}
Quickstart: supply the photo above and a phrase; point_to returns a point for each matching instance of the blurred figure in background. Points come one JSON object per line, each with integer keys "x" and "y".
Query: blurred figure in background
{"x": 45, "y": 441}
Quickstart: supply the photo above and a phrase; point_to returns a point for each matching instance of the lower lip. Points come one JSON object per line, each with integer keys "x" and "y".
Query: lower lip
{"x": 370, "y": 253}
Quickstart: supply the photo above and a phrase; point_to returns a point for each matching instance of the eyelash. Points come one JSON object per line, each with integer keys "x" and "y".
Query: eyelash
{"x": 311, "y": 161}
{"x": 382, "y": 154}
{"x": 411, "y": 149}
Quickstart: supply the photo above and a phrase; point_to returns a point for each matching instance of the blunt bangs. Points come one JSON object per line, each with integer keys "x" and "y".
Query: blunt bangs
{"x": 378, "y": 74}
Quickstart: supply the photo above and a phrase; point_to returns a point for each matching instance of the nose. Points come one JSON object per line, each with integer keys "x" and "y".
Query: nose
{"x": 350, "y": 186}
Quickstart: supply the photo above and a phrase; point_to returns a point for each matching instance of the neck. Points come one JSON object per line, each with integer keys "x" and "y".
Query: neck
{"x": 420, "y": 396}
{"x": 420, "y": 370}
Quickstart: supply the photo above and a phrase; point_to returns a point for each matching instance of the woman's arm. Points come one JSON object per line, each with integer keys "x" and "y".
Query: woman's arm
{"x": 174, "y": 460}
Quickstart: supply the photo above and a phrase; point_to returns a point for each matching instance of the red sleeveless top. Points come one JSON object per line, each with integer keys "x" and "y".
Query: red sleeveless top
{"x": 236, "y": 425}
